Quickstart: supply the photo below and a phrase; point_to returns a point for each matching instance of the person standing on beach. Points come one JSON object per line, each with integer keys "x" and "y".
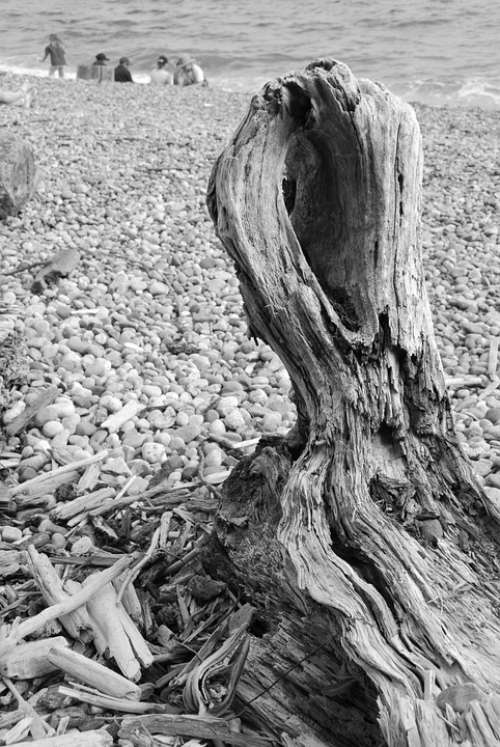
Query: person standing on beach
{"x": 56, "y": 52}
{"x": 161, "y": 75}
{"x": 122, "y": 73}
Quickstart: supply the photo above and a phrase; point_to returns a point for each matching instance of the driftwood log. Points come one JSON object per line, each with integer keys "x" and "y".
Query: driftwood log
{"x": 17, "y": 174}
{"x": 362, "y": 537}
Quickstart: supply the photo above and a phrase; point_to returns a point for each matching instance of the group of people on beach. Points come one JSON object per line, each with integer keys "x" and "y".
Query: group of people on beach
{"x": 185, "y": 72}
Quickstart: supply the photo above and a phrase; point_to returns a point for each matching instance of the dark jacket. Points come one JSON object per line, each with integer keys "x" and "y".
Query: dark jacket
{"x": 122, "y": 74}
{"x": 56, "y": 53}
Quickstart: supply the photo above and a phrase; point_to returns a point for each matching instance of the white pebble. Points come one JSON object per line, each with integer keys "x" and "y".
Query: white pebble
{"x": 11, "y": 534}
{"x": 271, "y": 421}
{"x": 81, "y": 546}
{"x": 110, "y": 403}
{"x": 153, "y": 453}
{"x": 226, "y": 404}
{"x": 64, "y": 407}
{"x": 234, "y": 420}
{"x": 52, "y": 428}
{"x": 12, "y": 413}
{"x": 217, "y": 428}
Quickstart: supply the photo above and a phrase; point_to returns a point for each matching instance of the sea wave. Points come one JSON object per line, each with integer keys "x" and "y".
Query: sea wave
{"x": 234, "y": 76}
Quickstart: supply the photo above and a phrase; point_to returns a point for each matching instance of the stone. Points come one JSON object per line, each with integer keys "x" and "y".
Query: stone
{"x": 52, "y": 428}
{"x": 153, "y": 452}
{"x": 11, "y": 534}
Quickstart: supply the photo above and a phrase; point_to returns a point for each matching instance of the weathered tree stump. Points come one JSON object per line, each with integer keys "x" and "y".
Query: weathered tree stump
{"x": 363, "y": 537}
{"x": 17, "y": 174}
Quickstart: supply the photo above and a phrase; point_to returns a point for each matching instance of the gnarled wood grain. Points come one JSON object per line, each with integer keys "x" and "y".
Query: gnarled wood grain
{"x": 363, "y": 537}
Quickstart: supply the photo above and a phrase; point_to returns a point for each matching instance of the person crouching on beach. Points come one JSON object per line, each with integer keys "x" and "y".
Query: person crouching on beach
{"x": 98, "y": 65}
{"x": 56, "y": 52}
{"x": 187, "y": 72}
{"x": 22, "y": 97}
{"x": 161, "y": 76}
{"x": 122, "y": 73}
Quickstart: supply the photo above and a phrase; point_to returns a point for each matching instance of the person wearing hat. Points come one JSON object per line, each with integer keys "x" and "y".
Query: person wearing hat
{"x": 122, "y": 73}
{"x": 98, "y": 64}
{"x": 161, "y": 75}
{"x": 187, "y": 72}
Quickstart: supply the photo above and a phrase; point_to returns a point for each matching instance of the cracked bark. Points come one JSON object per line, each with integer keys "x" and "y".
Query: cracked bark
{"x": 362, "y": 537}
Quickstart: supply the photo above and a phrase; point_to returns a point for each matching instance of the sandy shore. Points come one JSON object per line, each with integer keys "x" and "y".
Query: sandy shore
{"x": 153, "y": 312}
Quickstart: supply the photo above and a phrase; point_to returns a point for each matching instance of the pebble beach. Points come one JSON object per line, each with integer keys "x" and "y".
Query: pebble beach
{"x": 151, "y": 319}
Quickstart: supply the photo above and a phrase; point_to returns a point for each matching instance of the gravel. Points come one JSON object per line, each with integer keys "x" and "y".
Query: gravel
{"x": 146, "y": 340}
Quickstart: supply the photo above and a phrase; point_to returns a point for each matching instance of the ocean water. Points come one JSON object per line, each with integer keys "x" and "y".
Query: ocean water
{"x": 434, "y": 51}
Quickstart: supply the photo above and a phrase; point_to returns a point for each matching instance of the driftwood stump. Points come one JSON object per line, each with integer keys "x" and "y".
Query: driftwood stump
{"x": 363, "y": 537}
{"x": 17, "y": 174}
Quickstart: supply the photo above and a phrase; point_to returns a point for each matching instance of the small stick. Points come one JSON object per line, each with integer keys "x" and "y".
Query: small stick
{"x": 114, "y": 422}
{"x": 493, "y": 357}
{"x": 134, "y": 572}
{"x": 103, "y": 610}
{"x": 91, "y": 631}
{"x": 35, "y": 481}
{"x": 82, "y": 504}
{"x": 202, "y": 727}
{"x": 108, "y": 702}
{"x": 39, "y": 728}
{"x": 24, "y": 268}
{"x": 94, "y": 738}
{"x": 94, "y": 583}
{"x": 89, "y": 479}
{"x": 455, "y": 382}
{"x": 29, "y": 660}
{"x": 137, "y": 642}
{"x": 94, "y": 674}
{"x": 119, "y": 501}
{"x": 165, "y": 520}
{"x": 48, "y": 581}
{"x": 130, "y": 600}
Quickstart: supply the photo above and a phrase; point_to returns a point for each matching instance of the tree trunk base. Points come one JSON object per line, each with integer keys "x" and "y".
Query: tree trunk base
{"x": 363, "y": 539}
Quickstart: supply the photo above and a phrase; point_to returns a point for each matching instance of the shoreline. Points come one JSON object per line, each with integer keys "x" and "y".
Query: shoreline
{"x": 153, "y": 313}
{"x": 461, "y": 99}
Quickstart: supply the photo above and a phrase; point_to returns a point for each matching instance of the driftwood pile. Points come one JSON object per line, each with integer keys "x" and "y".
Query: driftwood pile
{"x": 124, "y": 636}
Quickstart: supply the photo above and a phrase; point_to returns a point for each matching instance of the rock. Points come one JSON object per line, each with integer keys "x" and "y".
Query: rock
{"x": 52, "y": 428}
{"x": 271, "y": 421}
{"x": 11, "y": 534}
{"x": 17, "y": 174}
{"x": 13, "y": 412}
{"x": 82, "y": 546}
{"x": 153, "y": 453}
{"x": 217, "y": 428}
{"x": 157, "y": 288}
{"x": 493, "y": 415}
{"x": 235, "y": 421}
